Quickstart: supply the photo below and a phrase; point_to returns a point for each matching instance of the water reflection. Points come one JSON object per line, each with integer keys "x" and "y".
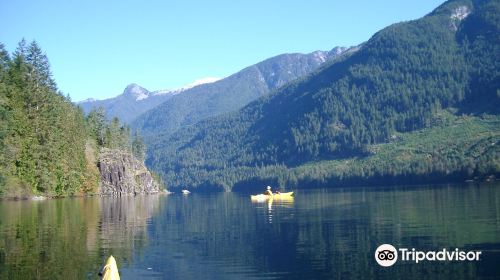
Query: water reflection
{"x": 321, "y": 234}
{"x": 123, "y": 220}
{"x": 123, "y": 226}
{"x": 70, "y": 238}
{"x": 324, "y": 234}
{"x": 286, "y": 202}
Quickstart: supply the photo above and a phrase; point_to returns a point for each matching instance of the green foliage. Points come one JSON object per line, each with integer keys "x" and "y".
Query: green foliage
{"x": 112, "y": 134}
{"x": 116, "y": 135}
{"x": 459, "y": 149}
{"x": 4, "y": 62}
{"x": 138, "y": 146}
{"x": 47, "y": 146}
{"x": 466, "y": 149}
{"x": 397, "y": 82}
{"x": 480, "y": 39}
{"x": 96, "y": 120}
{"x": 43, "y": 134}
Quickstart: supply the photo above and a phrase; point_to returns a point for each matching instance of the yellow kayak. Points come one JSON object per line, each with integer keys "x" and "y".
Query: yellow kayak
{"x": 275, "y": 196}
{"x": 110, "y": 270}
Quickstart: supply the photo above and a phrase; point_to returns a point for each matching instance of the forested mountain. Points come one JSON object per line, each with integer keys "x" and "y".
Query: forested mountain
{"x": 47, "y": 146}
{"x": 229, "y": 94}
{"x": 354, "y": 119}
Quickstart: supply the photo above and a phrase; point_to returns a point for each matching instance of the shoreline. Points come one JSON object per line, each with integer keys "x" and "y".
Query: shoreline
{"x": 167, "y": 192}
{"x": 47, "y": 197}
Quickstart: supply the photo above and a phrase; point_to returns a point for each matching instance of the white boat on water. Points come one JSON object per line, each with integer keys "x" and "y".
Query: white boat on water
{"x": 185, "y": 192}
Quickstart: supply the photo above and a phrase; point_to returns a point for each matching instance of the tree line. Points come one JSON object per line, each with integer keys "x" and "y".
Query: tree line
{"x": 113, "y": 134}
{"x": 47, "y": 145}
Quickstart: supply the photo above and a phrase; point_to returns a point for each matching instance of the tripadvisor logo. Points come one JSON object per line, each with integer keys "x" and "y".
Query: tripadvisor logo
{"x": 387, "y": 255}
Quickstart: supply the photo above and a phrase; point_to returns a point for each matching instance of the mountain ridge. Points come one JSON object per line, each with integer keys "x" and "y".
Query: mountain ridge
{"x": 230, "y": 93}
{"x": 135, "y": 100}
{"x": 399, "y": 81}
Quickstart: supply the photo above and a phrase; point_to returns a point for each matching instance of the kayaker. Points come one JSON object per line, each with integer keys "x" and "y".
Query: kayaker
{"x": 268, "y": 191}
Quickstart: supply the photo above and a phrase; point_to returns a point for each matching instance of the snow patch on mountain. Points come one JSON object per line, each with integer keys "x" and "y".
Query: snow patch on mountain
{"x": 141, "y": 96}
{"x": 163, "y": 92}
{"x": 320, "y": 56}
{"x": 198, "y": 82}
{"x": 206, "y": 80}
{"x": 458, "y": 15}
{"x": 88, "y": 100}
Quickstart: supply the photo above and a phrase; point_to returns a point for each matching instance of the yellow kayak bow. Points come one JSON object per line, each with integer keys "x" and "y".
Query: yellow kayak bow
{"x": 110, "y": 270}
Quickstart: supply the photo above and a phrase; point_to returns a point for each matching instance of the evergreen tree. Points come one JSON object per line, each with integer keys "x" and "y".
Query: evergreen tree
{"x": 113, "y": 133}
{"x": 44, "y": 143}
{"x": 21, "y": 50}
{"x": 96, "y": 120}
{"x": 40, "y": 67}
{"x": 138, "y": 146}
{"x": 4, "y": 62}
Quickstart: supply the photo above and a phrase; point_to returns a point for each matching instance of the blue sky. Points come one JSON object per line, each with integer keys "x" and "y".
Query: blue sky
{"x": 97, "y": 47}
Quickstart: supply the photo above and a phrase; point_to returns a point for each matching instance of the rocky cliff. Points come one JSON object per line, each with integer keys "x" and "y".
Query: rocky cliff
{"x": 121, "y": 173}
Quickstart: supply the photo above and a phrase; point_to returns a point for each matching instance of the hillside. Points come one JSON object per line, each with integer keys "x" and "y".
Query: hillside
{"x": 48, "y": 147}
{"x": 229, "y": 94}
{"x": 400, "y": 81}
{"x": 461, "y": 148}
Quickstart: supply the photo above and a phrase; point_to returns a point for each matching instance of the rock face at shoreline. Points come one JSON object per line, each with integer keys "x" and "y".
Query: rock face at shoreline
{"x": 122, "y": 174}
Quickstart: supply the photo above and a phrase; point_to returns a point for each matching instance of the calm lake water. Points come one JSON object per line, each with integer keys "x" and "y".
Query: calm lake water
{"x": 321, "y": 234}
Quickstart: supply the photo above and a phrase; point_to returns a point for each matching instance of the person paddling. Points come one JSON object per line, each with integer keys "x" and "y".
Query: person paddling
{"x": 268, "y": 191}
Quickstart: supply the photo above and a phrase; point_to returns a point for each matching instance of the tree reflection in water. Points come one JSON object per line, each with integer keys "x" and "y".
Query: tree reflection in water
{"x": 71, "y": 237}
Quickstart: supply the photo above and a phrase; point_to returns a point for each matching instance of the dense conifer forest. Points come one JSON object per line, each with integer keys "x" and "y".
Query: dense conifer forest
{"x": 418, "y": 102}
{"x": 430, "y": 75}
{"x": 47, "y": 145}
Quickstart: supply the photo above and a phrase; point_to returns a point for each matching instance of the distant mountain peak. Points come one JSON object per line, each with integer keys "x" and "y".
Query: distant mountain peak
{"x": 136, "y": 91}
